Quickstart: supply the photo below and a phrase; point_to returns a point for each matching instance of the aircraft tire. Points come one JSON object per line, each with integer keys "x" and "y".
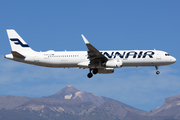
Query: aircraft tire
{"x": 95, "y": 71}
{"x": 89, "y": 75}
{"x": 157, "y": 72}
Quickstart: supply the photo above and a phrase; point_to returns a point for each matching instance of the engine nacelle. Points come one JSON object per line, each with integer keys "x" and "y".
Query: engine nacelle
{"x": 113, "y": 64}
{"x": 105, "y": 70}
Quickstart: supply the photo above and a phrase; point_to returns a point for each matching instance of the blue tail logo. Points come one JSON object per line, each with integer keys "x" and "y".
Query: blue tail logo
{"x": 18, "y": 42}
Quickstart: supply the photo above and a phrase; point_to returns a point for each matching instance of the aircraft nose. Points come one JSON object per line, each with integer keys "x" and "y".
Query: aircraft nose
{"x": 173, "y": 59}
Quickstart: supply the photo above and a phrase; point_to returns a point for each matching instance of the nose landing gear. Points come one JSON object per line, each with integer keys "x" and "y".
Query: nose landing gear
{"x": 157, "y": 72}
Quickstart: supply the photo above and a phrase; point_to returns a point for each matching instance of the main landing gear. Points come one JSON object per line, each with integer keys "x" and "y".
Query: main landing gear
{"x": 157, "y": 72}
{"x": 95, "y": 71}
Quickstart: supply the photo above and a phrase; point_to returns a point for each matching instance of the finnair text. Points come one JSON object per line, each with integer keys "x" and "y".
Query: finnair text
{"x": 133, "y": 54}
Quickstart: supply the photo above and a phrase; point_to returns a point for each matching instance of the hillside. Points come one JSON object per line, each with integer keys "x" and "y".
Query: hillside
{"x": 70, "y": 103}
{"x": 170, "y": 108}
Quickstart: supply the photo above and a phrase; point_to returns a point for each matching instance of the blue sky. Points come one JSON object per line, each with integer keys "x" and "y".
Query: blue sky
{"x": 108, "y": 25}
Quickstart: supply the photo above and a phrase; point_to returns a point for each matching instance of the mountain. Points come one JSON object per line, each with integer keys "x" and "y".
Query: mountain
{"x": 170, "y": 108}
{"x": 70, "y": 92}
{"x": 11, "y": 102}
{"x": 70, "y": 103}
{"x": 114, "y": 110}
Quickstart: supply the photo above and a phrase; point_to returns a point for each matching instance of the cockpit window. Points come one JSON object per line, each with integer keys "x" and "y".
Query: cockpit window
{"x": 167, "y": 54}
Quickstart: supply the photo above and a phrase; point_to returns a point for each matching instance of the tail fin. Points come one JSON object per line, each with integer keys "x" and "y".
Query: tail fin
{"x": 17, "y": 43}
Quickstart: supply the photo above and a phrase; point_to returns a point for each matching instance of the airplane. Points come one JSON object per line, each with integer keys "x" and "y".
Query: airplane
{"x": 102, "y": 62}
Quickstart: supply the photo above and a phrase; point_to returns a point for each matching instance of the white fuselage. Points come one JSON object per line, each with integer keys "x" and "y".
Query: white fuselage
{"x": 80, "y": 58}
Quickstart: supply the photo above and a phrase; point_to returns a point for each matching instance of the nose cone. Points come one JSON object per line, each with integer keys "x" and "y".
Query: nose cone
{"x": 173, "y": 59}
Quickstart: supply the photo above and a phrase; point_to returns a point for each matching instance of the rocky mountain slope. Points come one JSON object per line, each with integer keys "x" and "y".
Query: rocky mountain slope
{"x": 70, "y": 103}
{"x": 171, "y": 107}
{"x": 70, "y": 92}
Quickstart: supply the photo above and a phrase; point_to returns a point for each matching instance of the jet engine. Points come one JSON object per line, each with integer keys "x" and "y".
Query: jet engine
{"x": 113, "y": 64}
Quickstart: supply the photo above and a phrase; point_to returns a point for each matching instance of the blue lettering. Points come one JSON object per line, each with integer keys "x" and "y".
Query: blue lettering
{"x": 109, "y": 56}
{"x": 132, "y": 53}
{"x": 119, "y": 54}
{"x": 148, "y": 53}
{"x": 140, "y": 54}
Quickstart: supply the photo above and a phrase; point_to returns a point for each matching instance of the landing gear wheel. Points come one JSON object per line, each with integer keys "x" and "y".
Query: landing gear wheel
{"x": 89, "y": 75}
{"x": 157, "y": 72}
{"x": 95, "y": 71}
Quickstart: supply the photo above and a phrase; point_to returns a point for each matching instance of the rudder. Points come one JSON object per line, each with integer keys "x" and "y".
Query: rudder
{"x": 17, "y": 43}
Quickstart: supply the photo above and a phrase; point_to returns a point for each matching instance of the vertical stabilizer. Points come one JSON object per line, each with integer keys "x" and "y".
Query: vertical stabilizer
{"x": 17, "y": 43}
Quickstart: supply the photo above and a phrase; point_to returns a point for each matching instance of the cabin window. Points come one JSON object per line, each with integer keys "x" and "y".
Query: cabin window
{"x": 167, "y": 54}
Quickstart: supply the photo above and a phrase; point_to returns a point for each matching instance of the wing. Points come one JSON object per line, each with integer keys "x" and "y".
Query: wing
{"x": 94, "y": 55}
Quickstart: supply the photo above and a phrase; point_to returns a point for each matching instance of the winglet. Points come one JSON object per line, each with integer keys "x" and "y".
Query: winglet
{"x": 93, "y": 53}
{"x": 85, "y": 40}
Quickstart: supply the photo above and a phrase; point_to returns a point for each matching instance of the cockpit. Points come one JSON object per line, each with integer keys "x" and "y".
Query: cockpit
{"x": 166, "y": 54}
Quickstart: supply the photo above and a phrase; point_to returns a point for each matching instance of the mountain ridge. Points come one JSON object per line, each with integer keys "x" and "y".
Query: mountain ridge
{"x": 70, "y": 103}
{"x": 70, "y": 92}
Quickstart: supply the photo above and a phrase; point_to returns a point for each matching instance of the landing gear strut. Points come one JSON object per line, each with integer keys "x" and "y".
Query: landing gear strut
{"x": 157, "y": 72}
{"x": 89, "y": 75}
{"x": 95, "y": 71}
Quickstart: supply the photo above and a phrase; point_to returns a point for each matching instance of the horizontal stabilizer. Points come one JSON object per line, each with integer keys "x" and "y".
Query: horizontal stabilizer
{"x": 16, "y": 54}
